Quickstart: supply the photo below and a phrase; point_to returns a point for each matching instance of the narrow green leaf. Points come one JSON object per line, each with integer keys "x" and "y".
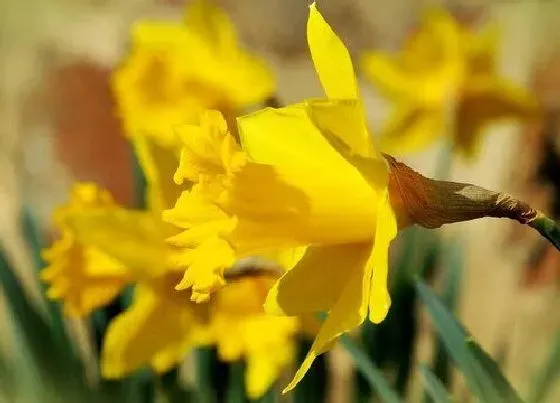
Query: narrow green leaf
{"x": 212, "y": 376}
{"x": 6, "y": 376}
{"x": 53, "y": 360}
{"x": 236, "y": 383}
{"x": 434, "y": 388}
{"x": 452, "y": 265}
{"x": 480, "y": 371}
{"x": 547, "y": 375}
{"x": 546, "y": 378}
{"x": 372, "y": 374}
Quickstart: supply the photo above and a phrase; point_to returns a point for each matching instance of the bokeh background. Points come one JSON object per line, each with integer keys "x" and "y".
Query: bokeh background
{"x": 58, "y": 125}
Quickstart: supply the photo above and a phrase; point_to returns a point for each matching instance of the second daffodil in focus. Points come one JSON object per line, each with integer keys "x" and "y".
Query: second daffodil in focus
{"x": 175, "y": 70}
{"x": 310, "y": 190}
{"x": 444, "y": 79}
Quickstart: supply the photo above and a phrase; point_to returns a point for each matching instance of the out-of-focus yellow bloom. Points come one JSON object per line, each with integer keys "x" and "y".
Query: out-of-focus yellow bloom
{"x": 445, "y": 78}
{"x": 84, "y": 278}
{"x": 176, "y": 69}
{"x": 241, "y": 330}
{"x": 312, "y": 190}
{"x": 105, "y": 247}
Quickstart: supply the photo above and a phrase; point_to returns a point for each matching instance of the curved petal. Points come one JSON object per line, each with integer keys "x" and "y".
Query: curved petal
{"x": 152, "y": 331}
{"x": 158, "y": 165}
{"x": 385, "y": 232}
{"x": 342, "y": 123}
{"x": 293, "y": 188}
{"x": 316, "y": 281}
{"x": 349, "y": 311}
{"x": 331, "y": 58}
{"x": 344, "y": 118}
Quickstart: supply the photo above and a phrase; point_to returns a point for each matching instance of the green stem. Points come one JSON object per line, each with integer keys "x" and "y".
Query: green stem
{"x": 548, "y": 228}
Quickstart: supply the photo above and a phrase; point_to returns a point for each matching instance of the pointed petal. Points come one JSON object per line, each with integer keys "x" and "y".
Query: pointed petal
{"x": 385, "y": 232}
{"x": 152, "y": 331}
{"x": 331, "y": 58}
{"x": 348, "y": 312}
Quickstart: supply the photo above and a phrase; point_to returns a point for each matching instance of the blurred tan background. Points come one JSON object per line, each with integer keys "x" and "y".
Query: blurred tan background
{"x": 56, "y": 117}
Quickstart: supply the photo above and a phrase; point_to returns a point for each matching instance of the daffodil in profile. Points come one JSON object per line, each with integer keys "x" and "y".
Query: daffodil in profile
{"x": 445, "y": 80}
{"x": 176, "y": 69}
{"x": 308, "y": 187}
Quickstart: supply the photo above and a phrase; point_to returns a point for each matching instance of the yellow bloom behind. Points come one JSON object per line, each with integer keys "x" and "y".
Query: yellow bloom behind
{"x": 85, "y": 278}
{"x": 312, "y": 181}
{"x": 445, "y": 78}
{"x": 176, "y": 69}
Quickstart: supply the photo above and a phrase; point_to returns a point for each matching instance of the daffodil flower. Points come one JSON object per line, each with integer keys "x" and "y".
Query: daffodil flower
{"x": 105, "y": 247}
{"x": 309, "y": 187}
{"x": 174, "y": 70}
{"x": 444, "y": 79}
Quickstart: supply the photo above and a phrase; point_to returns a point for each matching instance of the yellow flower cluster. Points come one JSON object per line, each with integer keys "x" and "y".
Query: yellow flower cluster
{"x": 304, "y": 186}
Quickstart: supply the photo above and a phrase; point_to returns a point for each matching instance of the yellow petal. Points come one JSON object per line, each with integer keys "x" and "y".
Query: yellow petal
{"x": 342, "y": 124}
{"x": 211, "y": 23}
{"x": 158, "y": 165}
{"x": 316, "y": 281}
{"x": 411, "y": 128}
{"x": 346, "y": 120}
{"x": 135, "y": 238}
{"x": 266, "y": 363}
{"x": 388, "y": 76}
{"x": 330, "y": 57}
{"x": 489, "y": 100}
{"x": 291, "y": 195}
{"x": 385, "y": 232}
{"x": 152, "y": 331}
{"x": 207, "y": 148}
{"x": 221, "y": 62}
{"x": 348, "y": 311}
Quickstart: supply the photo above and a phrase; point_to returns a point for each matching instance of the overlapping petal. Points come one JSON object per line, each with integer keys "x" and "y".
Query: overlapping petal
{"x": 154, "y": 330}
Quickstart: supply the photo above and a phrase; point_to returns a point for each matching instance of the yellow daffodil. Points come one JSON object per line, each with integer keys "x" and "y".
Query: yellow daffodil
{"x": 310, "y": 189}
{"x": 444, "y": 79}
{"x": 84, "y": 278}
{"x": 105, "y": 247}
{"x": 176, "y": 69}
